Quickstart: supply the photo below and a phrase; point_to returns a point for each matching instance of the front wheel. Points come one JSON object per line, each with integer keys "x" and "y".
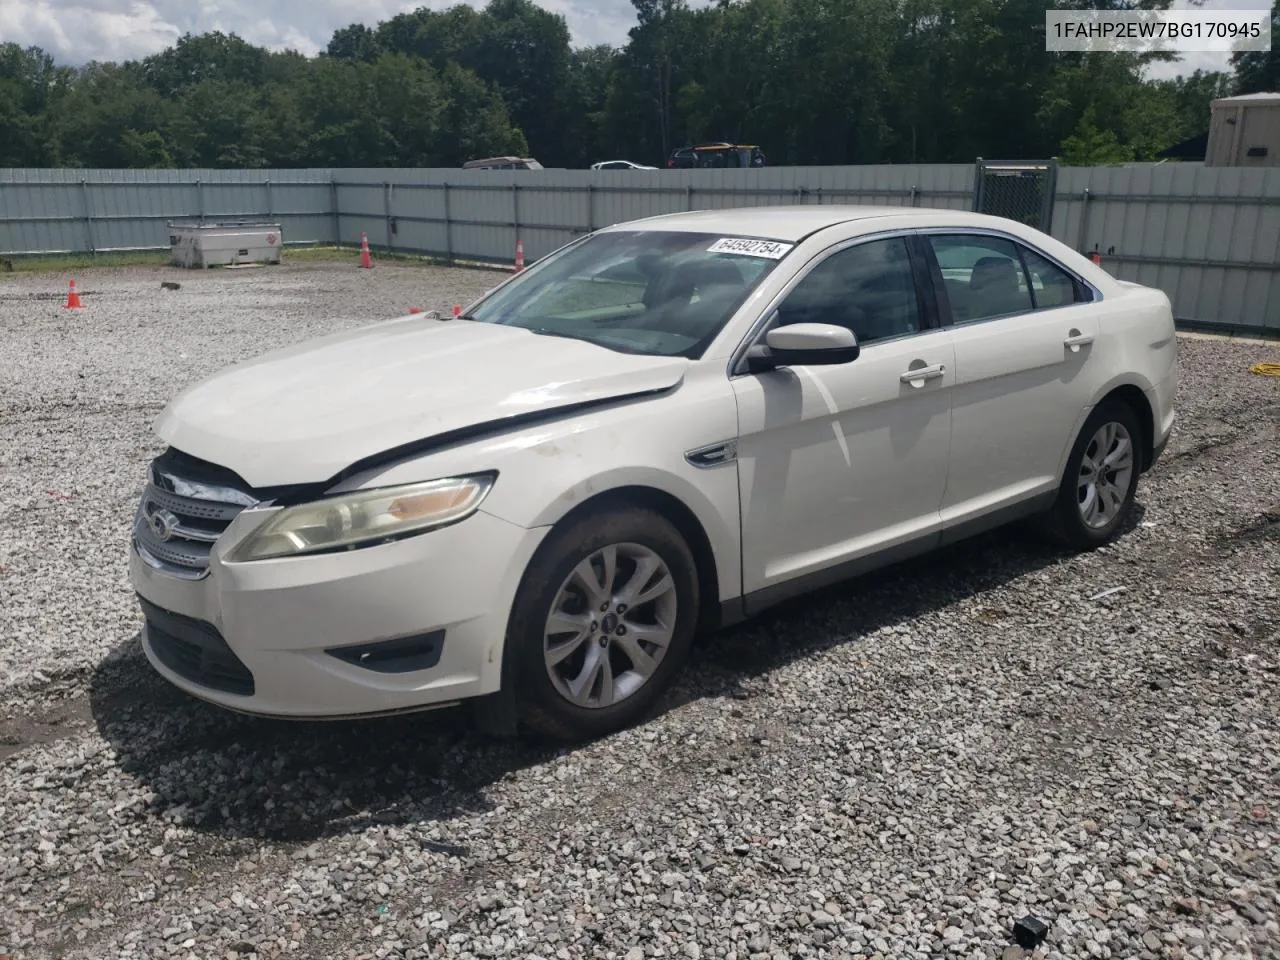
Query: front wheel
{"x": 1101, "y": 479}
{"x": 602, "y": 623}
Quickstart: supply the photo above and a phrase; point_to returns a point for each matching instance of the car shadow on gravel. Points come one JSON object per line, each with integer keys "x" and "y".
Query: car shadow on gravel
{"x": 245, "y": 777}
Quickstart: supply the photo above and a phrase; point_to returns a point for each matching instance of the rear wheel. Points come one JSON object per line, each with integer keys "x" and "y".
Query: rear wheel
{"x": 1101, "y": 479}
{"x": 601, "y": 623}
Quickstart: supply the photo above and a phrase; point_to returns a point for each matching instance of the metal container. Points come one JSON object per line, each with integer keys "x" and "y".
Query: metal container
{"x": 1244, "y": 131}
{"x": 203, "y": 245}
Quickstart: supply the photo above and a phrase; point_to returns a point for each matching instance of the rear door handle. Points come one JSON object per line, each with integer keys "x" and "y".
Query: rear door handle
{"x": 917, "y": 376}
{"x": 1075, "y": 340}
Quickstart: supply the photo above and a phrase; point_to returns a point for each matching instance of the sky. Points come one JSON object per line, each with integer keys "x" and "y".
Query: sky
{"x": 1190, "y": 62}
{"x": 76, "y": 31}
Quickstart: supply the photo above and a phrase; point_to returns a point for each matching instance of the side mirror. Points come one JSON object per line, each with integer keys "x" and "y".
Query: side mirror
{"x": 804, "y": 344}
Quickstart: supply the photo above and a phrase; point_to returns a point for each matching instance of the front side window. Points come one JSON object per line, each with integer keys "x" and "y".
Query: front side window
{"x": 667, "y": 293}
{"x": 869, "y": 288}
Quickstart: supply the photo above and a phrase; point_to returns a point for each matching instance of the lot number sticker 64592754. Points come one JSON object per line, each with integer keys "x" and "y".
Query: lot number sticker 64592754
{"x": 771, "y": 249}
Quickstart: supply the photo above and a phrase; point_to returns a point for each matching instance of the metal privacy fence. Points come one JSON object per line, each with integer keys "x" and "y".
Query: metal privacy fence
{"x": 1208, "y": 236}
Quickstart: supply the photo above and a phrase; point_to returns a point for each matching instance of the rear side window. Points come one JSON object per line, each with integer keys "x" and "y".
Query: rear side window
{"x": 983, "y": 277}
{"x": 988, "y": 277}
{"x": 1051, "y": 286}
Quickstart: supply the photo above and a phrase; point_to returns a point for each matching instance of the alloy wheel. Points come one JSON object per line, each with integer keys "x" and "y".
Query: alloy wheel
{"x": 610, "y": 625}
{"x": 1106, "y": 469}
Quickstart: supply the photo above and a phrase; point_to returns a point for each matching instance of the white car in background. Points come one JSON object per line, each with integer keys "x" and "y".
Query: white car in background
{"x": 620, "y": 165}
{"x": 661, "y": 428}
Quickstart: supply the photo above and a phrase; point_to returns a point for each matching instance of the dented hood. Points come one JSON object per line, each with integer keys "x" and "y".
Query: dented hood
{"x": 305, "y": 413}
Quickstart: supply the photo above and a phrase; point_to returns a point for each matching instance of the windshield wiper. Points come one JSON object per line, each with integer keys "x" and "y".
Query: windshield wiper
{"x": 548, "y": 332}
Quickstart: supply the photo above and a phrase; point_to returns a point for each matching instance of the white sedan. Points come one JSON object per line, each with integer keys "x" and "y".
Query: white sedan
{"x": 659, "y": 429}
{"x": 620, "y": 165}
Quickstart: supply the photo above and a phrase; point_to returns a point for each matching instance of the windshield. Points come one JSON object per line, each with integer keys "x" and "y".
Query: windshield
{"x": 644, "y": 291}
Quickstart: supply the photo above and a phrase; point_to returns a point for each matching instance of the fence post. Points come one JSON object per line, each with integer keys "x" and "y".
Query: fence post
{"x": 591, "y": 207}
{"x": 337, "y": 214}
{"x": 200, "y": 199}
{"x": 689, "y": 195}
{"x": 448, "y": 225}
{"x": 515, "y": 210}
{"x": 267, "y": 183}
{"x": 1050, "y": 196}
{"x": 1082, "y": 239}
{"x": 386, "y": 212}
{"x": 88, "y": 214}
{"x": 977, "y": 185}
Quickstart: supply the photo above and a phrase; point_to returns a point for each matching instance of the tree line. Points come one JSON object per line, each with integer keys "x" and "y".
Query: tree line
{"x": 810, "y": 81}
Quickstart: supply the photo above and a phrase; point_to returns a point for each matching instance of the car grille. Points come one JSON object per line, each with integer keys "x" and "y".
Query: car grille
{"x": 184, "y": 509}
{"x": 195, "y": 651}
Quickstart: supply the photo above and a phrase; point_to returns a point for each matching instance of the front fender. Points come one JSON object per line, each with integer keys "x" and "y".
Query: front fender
{"x": 545, "y": 471}
{"x": 713, "y": 500}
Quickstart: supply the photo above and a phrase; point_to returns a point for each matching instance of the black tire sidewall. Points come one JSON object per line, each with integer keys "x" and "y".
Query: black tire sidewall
{"x": 1071, "y": 523}
{"x": 539, "y": 704}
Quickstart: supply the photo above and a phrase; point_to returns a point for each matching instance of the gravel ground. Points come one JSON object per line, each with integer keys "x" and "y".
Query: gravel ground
{"x": 899, "y": 767}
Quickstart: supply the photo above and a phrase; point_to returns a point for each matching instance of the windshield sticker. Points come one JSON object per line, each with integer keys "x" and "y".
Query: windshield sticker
{"x": 770, "y": 249}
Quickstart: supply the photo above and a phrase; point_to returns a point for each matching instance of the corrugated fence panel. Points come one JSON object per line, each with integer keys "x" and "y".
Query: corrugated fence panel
{"x": 57, "y": 211}
{"x": 302, "y": 210}
{"x": 419, "y": 217}
{"x": 1209, "y": 237}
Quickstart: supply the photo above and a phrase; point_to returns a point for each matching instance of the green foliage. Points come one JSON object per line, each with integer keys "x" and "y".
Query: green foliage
{"x": 1089, "y": 146}
{"x": 1258, "y": 71}
{"x": 810, "y": 81}
{"x": 143, "y": 151}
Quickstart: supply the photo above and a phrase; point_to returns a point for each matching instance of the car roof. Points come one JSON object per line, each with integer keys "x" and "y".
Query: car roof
{"x": 791, "y": 223}
{"x": 487, "y": 160}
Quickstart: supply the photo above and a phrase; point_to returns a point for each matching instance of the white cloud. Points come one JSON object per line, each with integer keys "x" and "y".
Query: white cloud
{"x": 76, "y": 31}
{"x": 1190, "y": 62}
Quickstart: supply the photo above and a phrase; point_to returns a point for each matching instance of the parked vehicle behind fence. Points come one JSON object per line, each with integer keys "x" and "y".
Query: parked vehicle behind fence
{"x": 716, "y": 155}
{"x": 503, "y": 163}
{"x": 620, "y": 165}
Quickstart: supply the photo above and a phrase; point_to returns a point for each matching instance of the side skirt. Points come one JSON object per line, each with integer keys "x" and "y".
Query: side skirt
{"x": 738, "y": 609}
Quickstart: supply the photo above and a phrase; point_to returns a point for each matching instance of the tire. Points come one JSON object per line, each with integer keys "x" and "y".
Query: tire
{"x": 555, "y": 582}
{"x": 1071, "y": 521}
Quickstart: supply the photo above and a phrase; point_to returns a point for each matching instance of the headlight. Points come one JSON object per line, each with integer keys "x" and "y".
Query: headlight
{"x": 365, "y": 517}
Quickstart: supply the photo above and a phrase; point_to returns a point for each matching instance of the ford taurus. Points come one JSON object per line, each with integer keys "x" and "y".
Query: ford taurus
{"x": 659, "y": 429}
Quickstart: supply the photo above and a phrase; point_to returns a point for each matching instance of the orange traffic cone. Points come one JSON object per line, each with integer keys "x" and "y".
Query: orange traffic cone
{"x": 519, "y": 255}
{"x": 366, "y": 261}
{"x": 73, "y": 298}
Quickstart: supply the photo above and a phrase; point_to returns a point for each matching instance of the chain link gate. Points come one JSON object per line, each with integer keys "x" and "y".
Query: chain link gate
{"x": 1021, "y": 190}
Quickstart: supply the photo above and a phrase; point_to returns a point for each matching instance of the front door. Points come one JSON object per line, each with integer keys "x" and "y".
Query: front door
{"x": 839, "y": 463}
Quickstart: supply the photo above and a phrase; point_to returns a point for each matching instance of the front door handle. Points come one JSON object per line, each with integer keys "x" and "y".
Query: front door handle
{"x": 1075, "y": 340}
{"x": 917, "y": 376}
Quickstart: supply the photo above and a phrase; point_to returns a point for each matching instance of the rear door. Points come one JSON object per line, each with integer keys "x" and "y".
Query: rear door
{"x": 1024, "y": 331}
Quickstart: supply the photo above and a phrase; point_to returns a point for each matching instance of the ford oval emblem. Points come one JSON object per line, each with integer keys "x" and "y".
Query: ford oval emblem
{"x": 163, "y": 524}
